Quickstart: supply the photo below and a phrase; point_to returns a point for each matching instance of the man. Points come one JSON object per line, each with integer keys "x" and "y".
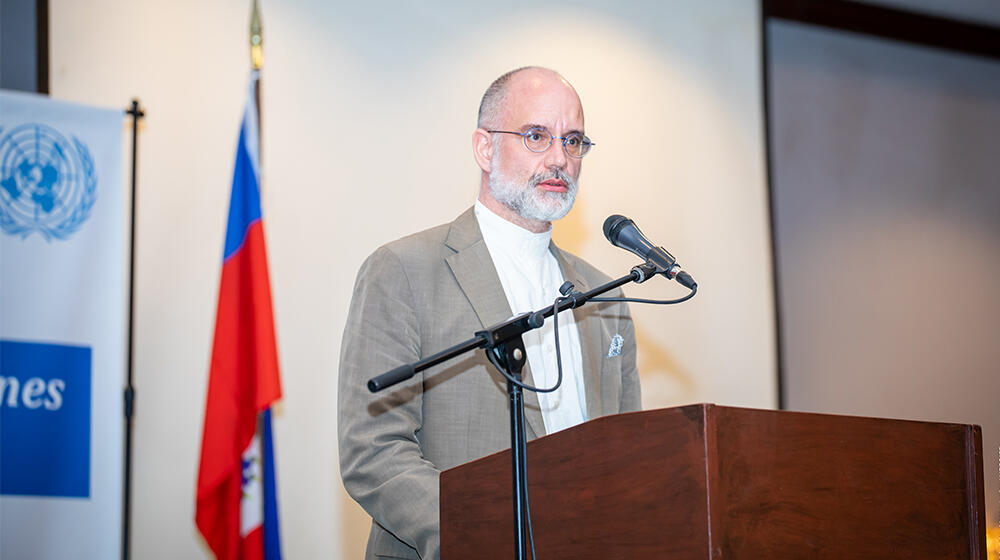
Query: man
{"x": 420, "y": 294}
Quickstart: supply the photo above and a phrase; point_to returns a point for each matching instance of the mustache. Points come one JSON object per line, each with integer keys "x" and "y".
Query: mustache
{"x": 539, "y": 178}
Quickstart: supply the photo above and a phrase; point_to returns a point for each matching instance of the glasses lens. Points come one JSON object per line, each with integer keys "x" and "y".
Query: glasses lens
{"x": 537, "y": 139}
{"x": 574, "y": 145}
{"x": 577, "y": 145}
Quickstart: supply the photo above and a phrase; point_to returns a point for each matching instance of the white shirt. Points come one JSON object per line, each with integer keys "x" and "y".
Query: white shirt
{"x": 530, "y": 276}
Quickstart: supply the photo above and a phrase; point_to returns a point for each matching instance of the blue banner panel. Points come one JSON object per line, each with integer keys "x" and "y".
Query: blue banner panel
{"x": 44, "y": 419}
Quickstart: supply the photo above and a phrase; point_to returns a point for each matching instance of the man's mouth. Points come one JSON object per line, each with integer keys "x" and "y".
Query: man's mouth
{"x": 553, "y": 185}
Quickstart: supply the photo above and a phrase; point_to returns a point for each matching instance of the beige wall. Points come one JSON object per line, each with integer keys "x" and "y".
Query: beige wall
{"x": 368, "y": 110}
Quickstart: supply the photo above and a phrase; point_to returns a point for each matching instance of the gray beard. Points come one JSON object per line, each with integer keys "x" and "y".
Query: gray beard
{"x": 532, "y": 203}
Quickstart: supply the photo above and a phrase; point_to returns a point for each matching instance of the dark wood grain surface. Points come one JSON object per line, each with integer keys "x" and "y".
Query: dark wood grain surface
{"x": 708, "y": 482}
{"x": 794, "y": 485}
{"x": 627, "y": 486}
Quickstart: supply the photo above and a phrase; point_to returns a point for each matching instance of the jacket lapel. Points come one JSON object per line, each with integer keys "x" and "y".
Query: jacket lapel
{"x": 473, "y": 268}
{"x": 589, "y": 328}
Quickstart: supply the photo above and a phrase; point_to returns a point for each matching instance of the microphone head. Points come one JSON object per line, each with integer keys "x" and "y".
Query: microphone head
{"x": 622, "y": 232}
{"x": 613, "y": 225}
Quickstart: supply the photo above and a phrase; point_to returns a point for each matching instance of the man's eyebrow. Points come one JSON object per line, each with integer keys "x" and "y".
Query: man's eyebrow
{"x": 529, "y": 126}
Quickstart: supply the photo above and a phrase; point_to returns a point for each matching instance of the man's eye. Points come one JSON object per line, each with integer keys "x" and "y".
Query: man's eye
{"x": 573, "y": 141}
{"x": 535, "y": 136}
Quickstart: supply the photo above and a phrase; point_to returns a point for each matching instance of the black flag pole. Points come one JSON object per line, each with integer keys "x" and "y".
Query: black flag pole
{"x": 129, "y": 394}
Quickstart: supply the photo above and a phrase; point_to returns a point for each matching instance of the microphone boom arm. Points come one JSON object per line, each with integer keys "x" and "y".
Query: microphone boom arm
{"x": 506, "y": 330}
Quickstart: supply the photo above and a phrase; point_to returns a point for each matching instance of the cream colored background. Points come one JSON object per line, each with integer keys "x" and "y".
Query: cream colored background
{"x": 368, "y": 110}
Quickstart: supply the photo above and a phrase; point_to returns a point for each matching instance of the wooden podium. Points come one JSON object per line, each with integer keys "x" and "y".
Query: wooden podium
{"x": 709, "y": 482}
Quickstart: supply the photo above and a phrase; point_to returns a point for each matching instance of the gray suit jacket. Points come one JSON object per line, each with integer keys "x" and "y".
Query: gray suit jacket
{"x": 414, "y": 297}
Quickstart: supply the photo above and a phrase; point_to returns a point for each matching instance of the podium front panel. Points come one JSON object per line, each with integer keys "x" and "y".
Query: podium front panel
{"x": 627, "y": 486}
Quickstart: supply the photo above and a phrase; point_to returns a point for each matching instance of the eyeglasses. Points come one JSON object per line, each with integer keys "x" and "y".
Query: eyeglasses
{"x": 539, "y": 139}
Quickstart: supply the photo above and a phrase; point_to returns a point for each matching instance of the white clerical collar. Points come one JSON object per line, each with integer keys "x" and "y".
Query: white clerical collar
{"x": 507, "y": 236}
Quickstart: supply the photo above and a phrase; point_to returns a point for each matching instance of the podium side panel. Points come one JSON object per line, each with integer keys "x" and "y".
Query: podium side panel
{"x": 796, "y": 485}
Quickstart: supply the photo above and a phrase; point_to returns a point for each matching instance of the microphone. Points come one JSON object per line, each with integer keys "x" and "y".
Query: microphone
{"x": 622, "y": 232}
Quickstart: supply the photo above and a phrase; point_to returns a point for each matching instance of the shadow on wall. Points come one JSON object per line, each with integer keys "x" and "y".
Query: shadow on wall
{"x": 355, "y": 524}
{"x": 664, "y": 380}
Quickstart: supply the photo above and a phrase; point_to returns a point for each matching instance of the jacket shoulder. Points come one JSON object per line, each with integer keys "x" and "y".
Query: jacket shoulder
{"x": 433, "y": 244}
{"x": 589, "y": 272}
{"x": 420, "y": 242}
{"x": 414, "y": 250}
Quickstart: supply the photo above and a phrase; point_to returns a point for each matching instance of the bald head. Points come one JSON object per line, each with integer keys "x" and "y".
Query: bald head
{"x": 516, "y": 83}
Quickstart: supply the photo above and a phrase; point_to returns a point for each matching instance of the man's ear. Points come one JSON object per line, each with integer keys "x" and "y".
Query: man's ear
{"x": 482, "y": 149}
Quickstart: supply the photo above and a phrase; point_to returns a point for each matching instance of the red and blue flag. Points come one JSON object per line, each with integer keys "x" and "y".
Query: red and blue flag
{"x": 237, "y": 510}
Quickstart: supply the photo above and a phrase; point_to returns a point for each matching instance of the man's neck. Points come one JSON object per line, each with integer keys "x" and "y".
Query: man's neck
{"x": 500, "y": 209}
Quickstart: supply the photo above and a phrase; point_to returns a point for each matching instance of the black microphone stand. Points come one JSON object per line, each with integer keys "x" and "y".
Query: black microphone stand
{"x": 504, "y": 345}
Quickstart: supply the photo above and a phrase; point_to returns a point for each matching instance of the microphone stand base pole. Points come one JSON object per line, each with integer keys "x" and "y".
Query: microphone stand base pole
{"x": 519, "y": 468}
{"x": 509, "y": 353}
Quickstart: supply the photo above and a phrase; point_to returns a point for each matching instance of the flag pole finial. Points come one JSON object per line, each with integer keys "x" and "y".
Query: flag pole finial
{"x": 256, "y": 39}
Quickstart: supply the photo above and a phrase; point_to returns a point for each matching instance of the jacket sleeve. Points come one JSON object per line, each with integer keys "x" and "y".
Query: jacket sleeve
{"x": 381, "y": 462}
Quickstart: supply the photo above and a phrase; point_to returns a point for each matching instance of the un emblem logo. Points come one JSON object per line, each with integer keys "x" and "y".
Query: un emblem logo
{"x": 47, "y": 184}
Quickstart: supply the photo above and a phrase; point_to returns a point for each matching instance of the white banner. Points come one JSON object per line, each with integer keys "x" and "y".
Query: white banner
{"x": 62, "y": 330}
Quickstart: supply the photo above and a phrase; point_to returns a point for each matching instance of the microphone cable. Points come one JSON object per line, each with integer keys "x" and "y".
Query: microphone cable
{"x": 495, "y": 360}
{"x": 694, "y": 291}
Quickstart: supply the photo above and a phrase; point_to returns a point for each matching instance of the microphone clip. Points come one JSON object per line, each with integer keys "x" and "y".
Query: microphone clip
{"x": 643, "y": 272}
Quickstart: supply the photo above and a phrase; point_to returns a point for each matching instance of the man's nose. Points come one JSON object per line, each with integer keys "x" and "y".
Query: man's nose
{"x": 555, "y": 156}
